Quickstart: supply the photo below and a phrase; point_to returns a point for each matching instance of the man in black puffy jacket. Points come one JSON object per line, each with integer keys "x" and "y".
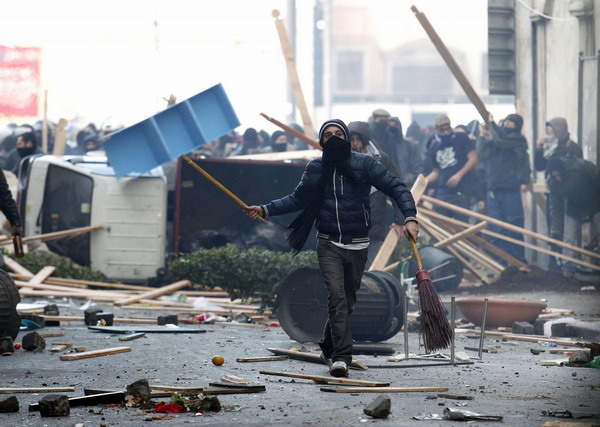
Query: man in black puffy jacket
{"x": 9, "y": 207}
{"x": 334, "y": 193}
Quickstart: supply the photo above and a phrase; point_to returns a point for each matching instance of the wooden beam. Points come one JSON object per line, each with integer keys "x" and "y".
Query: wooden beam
{"x": 539, "y": 249}
{"x": 391, "y": 240}
{"x": 327, "y": 380}
{"x": 42, "y": 275}
{"x": 60, "y": 137}
{"x": 383, "y": 389}
{"x": 165, "y": 290}
{"x": 288, "y": 54}
{"x": 508, "y": 226}
{"x": 306, "y": 155}
{"x": 461, "y": 235}
{"x": 311, "y": 357}
{"x": 7, "y": 390}
{"x": 95, "y": 353}
{"x": 15, "y": 266}
{"x": 452, "y": 64}
{"x": 308, "y": 140}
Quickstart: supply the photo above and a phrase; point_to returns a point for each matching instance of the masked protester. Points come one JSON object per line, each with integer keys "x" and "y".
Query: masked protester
{"x": 334, "y": 194}
{"x": 556, "y": 144}
{"x": 503, "y": 152}
{"x": 453, "y": 157}
{"x": 279, "y": 141}
{"x": 27, "y": 144}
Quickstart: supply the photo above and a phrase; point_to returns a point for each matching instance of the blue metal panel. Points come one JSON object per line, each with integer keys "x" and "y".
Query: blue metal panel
{"x": 175, "y": 131}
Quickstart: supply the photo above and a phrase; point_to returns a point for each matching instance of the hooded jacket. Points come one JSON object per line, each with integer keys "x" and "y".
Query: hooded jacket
{"x": 345, "y": 213}
{"x": 408, "y": 156}
{"x": 378, "y": 200}
{"x": 566, "y": 147}
{"x": 505, "y": 157}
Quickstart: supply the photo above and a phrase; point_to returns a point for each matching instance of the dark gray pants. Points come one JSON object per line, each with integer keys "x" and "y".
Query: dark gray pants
{"x": 342, "y": 271}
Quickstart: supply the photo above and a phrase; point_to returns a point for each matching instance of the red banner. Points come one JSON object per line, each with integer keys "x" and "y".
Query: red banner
{"x": 19, "y": 81}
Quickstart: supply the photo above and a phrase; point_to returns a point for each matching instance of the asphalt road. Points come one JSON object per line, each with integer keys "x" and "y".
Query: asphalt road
{"x": 509, "y": 384}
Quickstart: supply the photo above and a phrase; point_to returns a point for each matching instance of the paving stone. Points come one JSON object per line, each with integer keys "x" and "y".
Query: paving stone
{"x": 139, "y": 389}
{"x": 522, "y": 328}
{"x": 10, "y": 404}
{"x": 379, "y": 408}
{"x": 6, "y": 345}
{"x": 54, "y": 405}
{"x": 166, "y": 320}
{"x": 33, "y": 342}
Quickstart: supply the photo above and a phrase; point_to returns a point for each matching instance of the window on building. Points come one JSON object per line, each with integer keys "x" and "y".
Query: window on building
{"x": 350, "y": 72}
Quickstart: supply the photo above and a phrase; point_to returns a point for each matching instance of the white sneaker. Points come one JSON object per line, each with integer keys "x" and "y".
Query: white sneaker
{"x": 339, "y": 369}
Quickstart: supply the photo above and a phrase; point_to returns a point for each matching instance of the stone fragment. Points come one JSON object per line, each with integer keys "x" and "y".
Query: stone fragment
{"x": 33, "y": 342}
{"x": 379, "y": 408}
{"x": 10, "y": 404}
{"x": 54, "y": 405}
{"x": 90, "y": 316}
{"x": 139, "y": 389}
{"x": 166, "y": 320}
{"x": 522, "y": 328}
{"x": 6, "y": 345}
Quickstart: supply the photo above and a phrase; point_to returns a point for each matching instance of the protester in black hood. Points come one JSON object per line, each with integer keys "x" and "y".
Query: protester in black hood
{"x": 251, "y": 144}
{"x": 360, "y": 143}
{"x": 503, "y": 152}
{"x": 333, "y": 194}
{"x": 409, "y": 159}
{"x": 27, "y": 144}
{"x": 578, "y": 182}
{"x": 279, "y": 141}
{"x": 380, "y": 134}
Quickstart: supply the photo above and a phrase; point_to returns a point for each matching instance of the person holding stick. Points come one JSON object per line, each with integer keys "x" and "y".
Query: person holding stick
{"x": 333, "y": 193}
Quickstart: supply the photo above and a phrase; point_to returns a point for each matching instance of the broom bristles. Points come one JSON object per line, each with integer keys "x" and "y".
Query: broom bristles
{"x": 435, "y": 327}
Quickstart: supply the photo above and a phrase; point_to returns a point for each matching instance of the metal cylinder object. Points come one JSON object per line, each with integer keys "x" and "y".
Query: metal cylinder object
{"x": 302, "y": 306}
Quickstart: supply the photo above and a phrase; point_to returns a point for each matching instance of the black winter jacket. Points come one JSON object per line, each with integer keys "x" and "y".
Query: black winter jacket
{"x": 7, "y": 203}
{"x": 345, "y": 213}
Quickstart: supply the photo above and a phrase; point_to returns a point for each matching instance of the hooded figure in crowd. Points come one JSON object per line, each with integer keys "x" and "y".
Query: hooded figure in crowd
{"x": 27, "y": 145}
{"x": 333, "y": 194}
{"x": 408, "y": 154}
{"x": 279, "y": 141}
{"x": 503, "y": 152}
{"x": 360, "y": 143}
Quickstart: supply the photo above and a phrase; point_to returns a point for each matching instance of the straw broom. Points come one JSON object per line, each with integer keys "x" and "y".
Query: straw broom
{"x": 435, "y": 327}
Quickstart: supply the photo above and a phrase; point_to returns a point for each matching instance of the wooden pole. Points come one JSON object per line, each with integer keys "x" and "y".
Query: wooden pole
{"x": 452, "y": 64}
{"x": 307, "y": 139}
{"x": 60, "y": 138}
{"x": 508, "y": 226}
{"x": 57, "y": 235}
{"x": 45, "y": 123}
{"x": 293, "y": 73}
{"x": 391, "y": 240}
{"x": 155, "y": 293}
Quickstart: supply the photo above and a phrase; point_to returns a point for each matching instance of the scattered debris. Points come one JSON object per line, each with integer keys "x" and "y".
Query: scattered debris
{"x": 382, "y": 389}
{"x": 96, "y": 399}
{"x": 333, "y": 380}
{"x": 139, "y": 389}
{"x": 455, "y": 396}
{"x": 262, "y": 359}
{"x": 132, "y": 337}
{"x": 464, "y": 415}
{"x": 379, "y": 408}
{"x": 522, "y": 328}
{"x": 34, "y": 389}
{"x": 54, "y": 405}
{"x": 168, "y": 320}
{"x": 10, "y": 404}
{"x": 33, "y": 342}
{"x": 6, "y": 345}
{"x": 95, "y": 353}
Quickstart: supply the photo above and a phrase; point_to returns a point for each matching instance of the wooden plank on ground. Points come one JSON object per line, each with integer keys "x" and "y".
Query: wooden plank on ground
{"x": 42, "y": 275}
{"x": 165, "y": 290}
{"x": 96, "y": 353}
{"x": 382, "y": 389}
{"x": 391, "y": 240}
{"x": 5, "y": 390}
{"x": 327, "y": 380}
{"x": 262, "y": 359}
{"x": 311, "y": 357}
{"x": 94, "y": 399}
{"x": 16, "y": 267}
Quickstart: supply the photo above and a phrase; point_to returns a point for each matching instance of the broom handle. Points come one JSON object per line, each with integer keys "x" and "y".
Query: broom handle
{"x": 217, "y": 183}
{"x": 415, "y": 251}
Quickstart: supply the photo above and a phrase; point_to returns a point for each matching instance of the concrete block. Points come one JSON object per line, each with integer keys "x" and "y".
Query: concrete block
{"x": 6, "y": 345}
{"x": 563, "y": 330}
{"x": 33, "y": 342}
{"x": 106, "y": 317}
{"x": 139, "y": 389}
{"x": 522, "y": 328}
{"x": 379, "y": 408}
{"x": 90, "y": 316}
{"x": 538, "y": 326}
{"x": 165, "y": 320}
{"x": 10, "y": 404}
{"x": 54, "y": 405}
{"x": 52, "y": 310}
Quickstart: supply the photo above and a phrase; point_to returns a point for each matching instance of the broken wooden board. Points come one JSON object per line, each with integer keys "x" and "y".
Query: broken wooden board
{"x": 4, "y": 390}
{"x": 232, "y": 379}
{"x": 165, "y": 290}
{"x": 177, "y": 389}
{"x": 211, "y": 390}
{"x": 382, "y": 389}
{"x": 96, "y": 353}
{"x": 328, "y": 380}
{"x": 312, "y": 357}
{"x": 58, "y": 348}
{"x": 134, "y": 329}
{"x": 93, "y": 399}
{"x": 262, "y": 359}
{"x": 42, "y": 275}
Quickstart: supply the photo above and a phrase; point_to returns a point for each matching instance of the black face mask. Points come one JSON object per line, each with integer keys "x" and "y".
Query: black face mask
{"x": 394, "y": 131}
{"x": 26, "y": 151}
{"x": 279, "y": 148}
{"x": 336, "y": 151}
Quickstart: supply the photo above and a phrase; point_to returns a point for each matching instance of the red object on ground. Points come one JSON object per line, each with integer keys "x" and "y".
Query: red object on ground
{"x": 170, "y": 408}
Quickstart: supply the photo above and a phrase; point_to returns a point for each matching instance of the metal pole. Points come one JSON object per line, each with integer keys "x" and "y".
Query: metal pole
{"x": 482, "y": 336}
{"x": 452, "y": 326}
{"x": 405, "y": 327}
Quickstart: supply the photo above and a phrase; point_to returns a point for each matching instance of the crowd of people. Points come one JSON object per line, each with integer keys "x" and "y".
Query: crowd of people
{"x": 483, "y": 167}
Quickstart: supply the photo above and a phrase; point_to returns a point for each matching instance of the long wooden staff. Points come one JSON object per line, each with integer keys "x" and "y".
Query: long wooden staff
{"x": 293, "y": 132}
{"x": 217, "y": 183}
